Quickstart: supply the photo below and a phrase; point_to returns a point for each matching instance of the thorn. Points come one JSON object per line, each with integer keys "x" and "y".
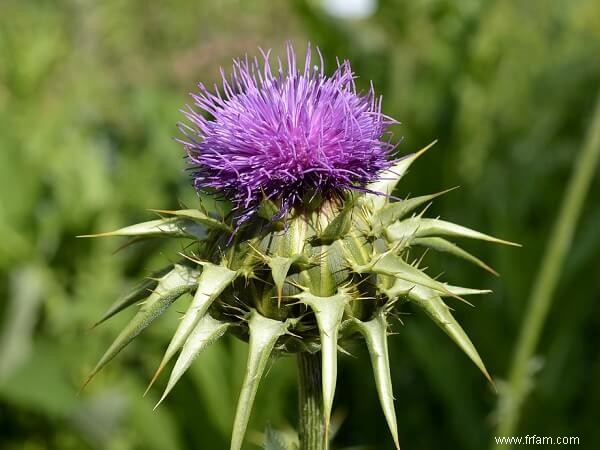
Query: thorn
{"x": 362, "y": 281}
{"x": 153, "y": 279}
{"x": 279, "y": 295}
{"x": 422, "y": 213}
{"x": 197, "y": 261}
{"x": 490, "y": 269}
{"x": 346, "y": 352}
{"x": 126, "y": 244}
{"x": 85, "y": 383}
{"x": 465, "y": 301}
{"x": 264, "y": 257}
{"x": 422, "y": 256}
{"x": 105, "y": 234}
{"x": 512, "y": 244}
{"x": 160, "y": 401}
{"x": 297, "y": 285}
{"x": 236, "y": 309}
{"x": 293, "y": 334}
{"x": 491, "y": 381}
{"x": 161, "y": 211}
{"x": 424, "y": 149}
{"x": 154, "y": 377}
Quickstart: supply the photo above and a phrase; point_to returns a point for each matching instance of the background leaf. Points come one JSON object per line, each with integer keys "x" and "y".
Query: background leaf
{"x": 90, "y": 94}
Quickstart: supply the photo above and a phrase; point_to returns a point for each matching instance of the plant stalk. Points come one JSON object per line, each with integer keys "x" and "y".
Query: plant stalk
{"x": 311, "y": 427}
{"x": 547, "y": 278}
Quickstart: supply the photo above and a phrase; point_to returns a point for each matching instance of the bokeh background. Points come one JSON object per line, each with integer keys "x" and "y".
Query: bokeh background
{"x": 90, "y": 94}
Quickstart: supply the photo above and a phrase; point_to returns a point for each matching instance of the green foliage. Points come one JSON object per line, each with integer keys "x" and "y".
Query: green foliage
{"x": 89, "y": 95}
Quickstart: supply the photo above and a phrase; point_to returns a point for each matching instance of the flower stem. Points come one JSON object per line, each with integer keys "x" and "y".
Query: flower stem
{"x": 311, "y": 429}
{"x": 547, "y": 278}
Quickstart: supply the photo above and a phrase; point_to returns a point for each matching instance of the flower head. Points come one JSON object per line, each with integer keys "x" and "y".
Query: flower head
{"x": 287, "y": 135}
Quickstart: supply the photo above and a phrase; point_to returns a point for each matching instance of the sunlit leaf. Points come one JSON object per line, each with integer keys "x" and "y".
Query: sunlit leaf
{"x": 389, "y": 179}
{"x": 211, "y": 283}
{"x": 375, "y": 334}
{"x": 264, "y": 333}
{"x": 171, "y": 227}
{"x": 139, "y": 292}
{"x": 442, "y": 245}
{"x": 396, "y": 210}
{"x": 206, "y": 331}
{"x": 280, "y": 266}
{"x": 178, "y": 281}
{"x": 437, "y": 310}
{"x": 393, "y": 265}
{"x": 197, "y": 216}
{"x": 417, "y": 227}
{"x": 329, "y": 312}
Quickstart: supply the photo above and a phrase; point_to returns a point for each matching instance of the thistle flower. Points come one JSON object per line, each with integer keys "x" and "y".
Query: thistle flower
{"x": 315, "y": 252}
{"x": 287, "y": 136}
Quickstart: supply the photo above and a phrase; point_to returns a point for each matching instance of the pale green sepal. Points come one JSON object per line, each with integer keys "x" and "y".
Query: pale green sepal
{"x": 206, "y": 331}
{"x": 402, "y": 288}
{"x": 211, "y": 283}
{"x": 264, "y": 333}
{"x": 396, "y": 210}
{"x": 354, "y": 248}
{"x": 173, "y": 227}
{"x": 418, "y": 227}
{"x": 439, "y": 312}
{"x": 280, "y": 266}
{"x": 389, "y": 179}
{"x": 268, "y": 209}
{"x": 459, "y": 291}
{"x": 139, "y": 292}
{"x": 393, "y": 265}
{"x": 329, "y": 312}
{"x": 169, "y": 288}
{"x": 442, "y": 245}
{"x": 375, "y": 334}
{"x": 338, "y": 227}
{"x": 197, "y": 216}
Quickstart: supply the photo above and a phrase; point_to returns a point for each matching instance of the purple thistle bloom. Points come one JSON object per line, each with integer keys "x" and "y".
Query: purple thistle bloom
{"x": 287, "y": 135}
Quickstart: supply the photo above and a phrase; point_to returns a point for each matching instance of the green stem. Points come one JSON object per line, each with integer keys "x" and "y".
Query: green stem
{"x": 547, "y": 279}
{"x": 311, "y": 429}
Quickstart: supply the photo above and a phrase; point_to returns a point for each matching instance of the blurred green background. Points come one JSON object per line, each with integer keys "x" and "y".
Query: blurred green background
{"x": 90, "y": 94}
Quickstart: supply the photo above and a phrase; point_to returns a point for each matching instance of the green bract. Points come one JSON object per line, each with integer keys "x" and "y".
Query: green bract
{"x": 324, "y": 275}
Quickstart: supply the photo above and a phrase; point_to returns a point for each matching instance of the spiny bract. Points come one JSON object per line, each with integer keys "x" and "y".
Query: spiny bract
{"x": 327, "y": 270}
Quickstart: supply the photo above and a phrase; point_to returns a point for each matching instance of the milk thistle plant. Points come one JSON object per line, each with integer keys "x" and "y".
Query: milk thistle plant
{"x": 314, "y": 249}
